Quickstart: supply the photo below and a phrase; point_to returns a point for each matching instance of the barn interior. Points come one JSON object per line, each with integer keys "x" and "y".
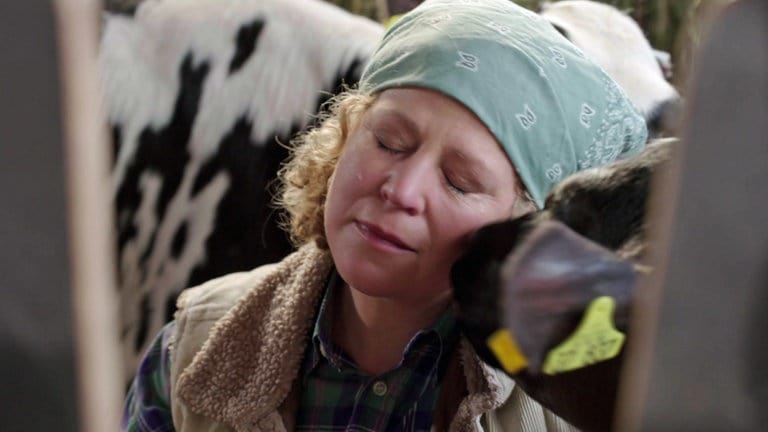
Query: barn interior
{"x": 112, "y": 109}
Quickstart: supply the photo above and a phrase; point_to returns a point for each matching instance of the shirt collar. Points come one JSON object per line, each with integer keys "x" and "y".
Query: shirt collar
{"x": 321, "y": 335}
{"x": 442, "y": 335}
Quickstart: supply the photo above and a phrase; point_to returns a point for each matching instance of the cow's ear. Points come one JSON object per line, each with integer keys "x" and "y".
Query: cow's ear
{"x": 548, "y": 282}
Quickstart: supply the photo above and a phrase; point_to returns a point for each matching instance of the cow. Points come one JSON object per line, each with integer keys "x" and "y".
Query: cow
{"x": 536, "y": 274}
{"x": 613, "y": 40}
{"x": 201, "y": 95}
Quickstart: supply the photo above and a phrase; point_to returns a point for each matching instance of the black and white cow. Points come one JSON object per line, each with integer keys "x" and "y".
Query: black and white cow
{"x": 535, "y": 275}
{"x": 200, "y": 94}
{"x": 613, "y": 40}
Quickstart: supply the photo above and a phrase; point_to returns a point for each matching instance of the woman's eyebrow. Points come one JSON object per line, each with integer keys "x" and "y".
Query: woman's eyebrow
{"x": 472, "y": 168}
{"x": 403, "y": 120}
{"x": 470, "y": 161}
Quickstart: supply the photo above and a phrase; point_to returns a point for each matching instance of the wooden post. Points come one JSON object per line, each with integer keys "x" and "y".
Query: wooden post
{"x": 698, "y": 354}
{"x": 92, "y": 250}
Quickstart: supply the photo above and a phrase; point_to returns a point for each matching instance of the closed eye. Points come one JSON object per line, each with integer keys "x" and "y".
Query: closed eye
{"x": 384, "y": 147}
{"x": 455, "y": 186}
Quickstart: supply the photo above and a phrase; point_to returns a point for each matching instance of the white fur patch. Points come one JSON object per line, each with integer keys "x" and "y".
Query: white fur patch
{"x": 616, "y": 43}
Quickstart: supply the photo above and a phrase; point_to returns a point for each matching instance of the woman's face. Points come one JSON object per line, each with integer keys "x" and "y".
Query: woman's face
{"x": 417, "y": 176}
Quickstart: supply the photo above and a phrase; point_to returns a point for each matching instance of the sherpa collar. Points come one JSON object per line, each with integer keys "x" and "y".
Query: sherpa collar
{"x": 246, "y": 368}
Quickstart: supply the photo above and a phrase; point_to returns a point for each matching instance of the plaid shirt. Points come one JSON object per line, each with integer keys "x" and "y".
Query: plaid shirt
{"x": 335, "y": 394}
{"x": 147, "y": 406}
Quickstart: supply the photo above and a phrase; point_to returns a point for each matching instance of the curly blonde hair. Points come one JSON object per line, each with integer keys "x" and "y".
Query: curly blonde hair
{"x": 304, "y": 179}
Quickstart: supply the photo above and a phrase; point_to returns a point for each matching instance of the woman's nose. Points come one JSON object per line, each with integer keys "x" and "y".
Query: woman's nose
{"x": 406, "y": 187}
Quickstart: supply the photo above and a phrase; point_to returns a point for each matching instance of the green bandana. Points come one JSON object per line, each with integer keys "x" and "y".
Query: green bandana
{"x": 553, "y": 111}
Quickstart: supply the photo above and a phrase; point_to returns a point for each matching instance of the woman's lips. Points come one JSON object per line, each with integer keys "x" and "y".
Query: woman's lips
{"x": 381, "y": 237}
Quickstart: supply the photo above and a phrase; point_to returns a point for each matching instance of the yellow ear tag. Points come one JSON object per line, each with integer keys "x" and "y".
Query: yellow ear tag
{"x": 391, "y": 20}
{"x": 506, "y": 351}
{"x": 595, "y": 340}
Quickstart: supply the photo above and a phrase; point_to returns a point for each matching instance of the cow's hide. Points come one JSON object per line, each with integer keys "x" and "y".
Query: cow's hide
{"x": 613, "y": 40}
{"x": 199, "y": 94}
{"x": 536, "y": 274}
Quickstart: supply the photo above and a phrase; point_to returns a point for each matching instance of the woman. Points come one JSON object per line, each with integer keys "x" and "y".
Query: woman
{"x": 468, "y": 113}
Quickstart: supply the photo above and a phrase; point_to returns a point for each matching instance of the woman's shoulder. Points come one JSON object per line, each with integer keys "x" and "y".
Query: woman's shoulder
{"x": 222, "y": 292}
{"x": 218, "y": 295}
{"x": 199, "y": 308}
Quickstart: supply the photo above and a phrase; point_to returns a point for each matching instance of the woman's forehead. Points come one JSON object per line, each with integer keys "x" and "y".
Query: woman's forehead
{"x": 420, "y": 106}
{"x": 418, "y": 112}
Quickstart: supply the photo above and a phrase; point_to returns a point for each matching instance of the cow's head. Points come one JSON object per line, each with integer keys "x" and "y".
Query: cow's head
{"x": 536, "y": 275}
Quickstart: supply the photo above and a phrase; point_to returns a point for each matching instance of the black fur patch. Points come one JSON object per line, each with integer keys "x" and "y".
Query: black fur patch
{"x": 163, "y": 152}
{"x": 117, "y": 141}
{"x": 344, "y": 77}
{"x": 143, "y": 324}
{"x": 608, "y": 213}
{"x": 122, "y": 7}
{"x": 170, "y": 305}
{"x": 179, "y": 240}
{"x": 244, "y": 235}
{"x": 562, "y": 31}
{"x": 245, "y": 42}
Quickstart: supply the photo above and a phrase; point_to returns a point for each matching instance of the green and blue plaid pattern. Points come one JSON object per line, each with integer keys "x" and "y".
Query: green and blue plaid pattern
{"x": 147, "y": 406}
{"x": 337, "y": 396}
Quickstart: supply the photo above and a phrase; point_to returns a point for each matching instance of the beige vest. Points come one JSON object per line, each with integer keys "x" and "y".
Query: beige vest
{"x": 240, "y": 340}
